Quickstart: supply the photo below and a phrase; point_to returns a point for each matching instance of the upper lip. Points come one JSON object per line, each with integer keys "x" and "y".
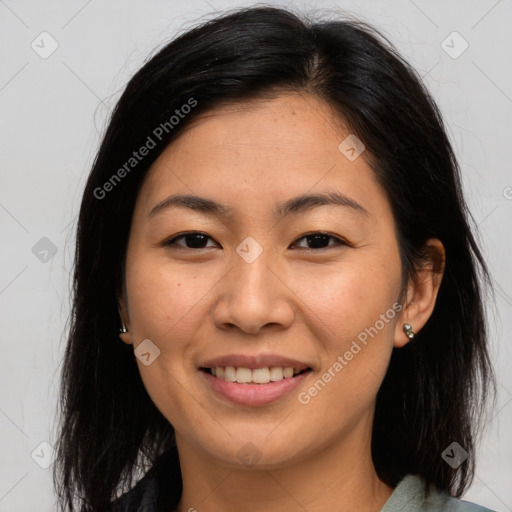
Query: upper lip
{"x": 256, "y": 361}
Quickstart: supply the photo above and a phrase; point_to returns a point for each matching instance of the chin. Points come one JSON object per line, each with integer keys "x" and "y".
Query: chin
{"x": 256, "y": 452}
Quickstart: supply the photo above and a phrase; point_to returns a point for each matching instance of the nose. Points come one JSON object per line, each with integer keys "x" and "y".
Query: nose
{"x": 253, "y": 297}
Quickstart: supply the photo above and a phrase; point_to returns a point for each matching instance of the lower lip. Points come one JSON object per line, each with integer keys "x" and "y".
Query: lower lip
{"x": 254, "y": 394}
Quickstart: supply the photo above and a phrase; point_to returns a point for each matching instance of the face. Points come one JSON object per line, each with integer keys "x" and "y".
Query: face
{"x": 257, "y": 278}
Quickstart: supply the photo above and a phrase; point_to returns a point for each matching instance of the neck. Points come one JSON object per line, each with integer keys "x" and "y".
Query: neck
{"x": 339, "y": 477}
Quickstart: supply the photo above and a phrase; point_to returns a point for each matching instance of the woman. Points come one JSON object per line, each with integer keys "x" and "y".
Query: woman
{"x": 274, "y": 228}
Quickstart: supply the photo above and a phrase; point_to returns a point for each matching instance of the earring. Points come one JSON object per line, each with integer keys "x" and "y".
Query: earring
{"x": 409, "y": 332}
{"x": 123, "y": 329}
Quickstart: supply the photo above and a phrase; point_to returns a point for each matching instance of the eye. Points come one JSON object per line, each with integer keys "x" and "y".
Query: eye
{"x": 198, "y": 240}
{"x": 193, "y": 240}
{"x": 320, "y": 241}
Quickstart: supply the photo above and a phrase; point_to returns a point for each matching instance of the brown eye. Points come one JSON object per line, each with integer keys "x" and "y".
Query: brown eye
{"x": 193, "y": 240}
{"x": 320, "y": 241}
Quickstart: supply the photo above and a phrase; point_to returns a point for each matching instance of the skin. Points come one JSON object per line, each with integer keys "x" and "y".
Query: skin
{"x": 293, "y": 300}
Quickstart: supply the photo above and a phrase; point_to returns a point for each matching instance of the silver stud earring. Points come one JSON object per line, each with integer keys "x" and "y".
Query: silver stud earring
{"x": 409, "y": 332}
{"x": 123, "y": 329}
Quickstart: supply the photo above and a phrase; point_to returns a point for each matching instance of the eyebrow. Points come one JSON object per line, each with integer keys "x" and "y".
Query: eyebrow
{"x": 295, "y": 205}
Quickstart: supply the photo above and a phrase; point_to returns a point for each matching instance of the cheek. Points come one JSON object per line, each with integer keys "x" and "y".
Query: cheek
{"x": 168, "y": 305}
{"x": 356, "y": 303}
{"x": 351, "y": 297}
{"x": 165, "y": 299}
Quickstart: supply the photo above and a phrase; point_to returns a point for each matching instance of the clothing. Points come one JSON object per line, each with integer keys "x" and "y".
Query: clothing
{"x": 410, "y": 494}
{"x": 151, "y": 493}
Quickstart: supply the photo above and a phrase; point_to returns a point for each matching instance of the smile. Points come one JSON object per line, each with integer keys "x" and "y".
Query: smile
{"x": 253, "y": 387}
{"x": 263, "y": 375}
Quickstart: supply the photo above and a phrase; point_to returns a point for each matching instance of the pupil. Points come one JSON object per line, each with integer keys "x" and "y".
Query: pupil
{"x": 196, "y": 241}
{"x": 316, "y": 240}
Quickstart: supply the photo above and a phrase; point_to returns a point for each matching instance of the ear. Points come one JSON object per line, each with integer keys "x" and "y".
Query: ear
{"x": 126, "y": 337}
{"x": 422, "y": 291}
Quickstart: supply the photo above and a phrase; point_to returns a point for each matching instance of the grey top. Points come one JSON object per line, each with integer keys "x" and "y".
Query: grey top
{"x": 410, "y": 495}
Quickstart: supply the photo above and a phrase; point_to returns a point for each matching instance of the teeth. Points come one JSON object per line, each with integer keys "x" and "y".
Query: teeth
{"x": 243, "y": 375}
{"x": 260, "y": 375}
{"x": 230, "y": 374}
{"x": 276, "y": 373}
{"x": 288, "y": 373}
{"x": 257, "y": 376}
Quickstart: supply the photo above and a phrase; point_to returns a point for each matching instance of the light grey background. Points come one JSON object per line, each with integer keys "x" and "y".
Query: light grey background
{"x": 54, "y": 111}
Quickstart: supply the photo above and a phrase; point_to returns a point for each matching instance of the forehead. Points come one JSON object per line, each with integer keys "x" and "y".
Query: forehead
{"x": 262, "y": 150}
{"x": 288, "y": 125}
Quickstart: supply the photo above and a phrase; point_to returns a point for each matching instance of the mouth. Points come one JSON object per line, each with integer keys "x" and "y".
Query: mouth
{"x": 264, "y": 375}
{"x": 253, "y": 386}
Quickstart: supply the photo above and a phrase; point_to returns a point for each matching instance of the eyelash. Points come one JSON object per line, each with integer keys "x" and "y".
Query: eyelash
{"x": 340, "y": 242}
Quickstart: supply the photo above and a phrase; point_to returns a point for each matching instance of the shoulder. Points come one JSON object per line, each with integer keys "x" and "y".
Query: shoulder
{"x": 413, "y": 495}
{"x": 160, "y": 486}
